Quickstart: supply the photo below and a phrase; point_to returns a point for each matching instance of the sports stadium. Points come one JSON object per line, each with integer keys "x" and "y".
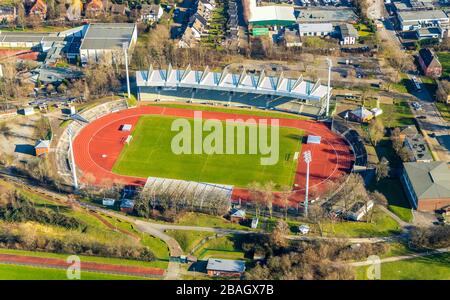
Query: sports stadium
{"x": 132, "y": 146}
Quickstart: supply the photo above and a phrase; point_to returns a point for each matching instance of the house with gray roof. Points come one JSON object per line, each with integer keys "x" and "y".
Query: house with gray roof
{"x": 427, "y": 185}
{"x": 225, "y": 267}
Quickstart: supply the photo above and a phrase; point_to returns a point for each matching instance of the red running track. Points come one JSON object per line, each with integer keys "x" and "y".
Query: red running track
{"x": 98, "y": 145}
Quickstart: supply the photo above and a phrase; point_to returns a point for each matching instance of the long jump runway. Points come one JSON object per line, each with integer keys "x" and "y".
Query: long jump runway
{"x": 98, "y": 145}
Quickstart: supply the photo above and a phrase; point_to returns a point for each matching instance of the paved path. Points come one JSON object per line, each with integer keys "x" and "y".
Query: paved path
{"x": 395, "y": 217}
{"x": 402, "y": 257}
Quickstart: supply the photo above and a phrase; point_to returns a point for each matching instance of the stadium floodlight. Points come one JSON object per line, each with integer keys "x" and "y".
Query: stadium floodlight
{"x": 308, "y": 158}
{"x": 328, "y": 86}
{"x": 125, "y": 51}
{"x": 72, "y": 159}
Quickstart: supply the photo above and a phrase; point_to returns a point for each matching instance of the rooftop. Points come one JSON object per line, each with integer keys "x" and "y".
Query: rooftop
{"x": 418, "y": 147}
{"x": 315, "y": 27}
{"x": 335, "y": 15}
{"x": 348, "y": 30}
{"x": 422, "y": 15}
{"x": 226, "y": 265}
{"x": 272, "y": 13}
{"x": 429, "y": 180}
{"x": 108, "y": 35}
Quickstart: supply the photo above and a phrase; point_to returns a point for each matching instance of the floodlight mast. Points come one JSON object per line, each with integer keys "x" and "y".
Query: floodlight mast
{"x": 329, "y": 62}
{"x": 125, "y": 51}
{"x": 72, "y": 159}
{"x": 308, "y": 158}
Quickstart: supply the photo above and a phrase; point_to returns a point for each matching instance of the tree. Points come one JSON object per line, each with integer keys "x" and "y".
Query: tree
{"x": 395, "y": 139}
{"x": 284, "y": 196}
{"x": 317, "y": 215}
{"x": 256, "y": 196}
{"x": 376, "y": 131}
{"x": 405, "y": 154}
{"x": 379, "y": 198}
{"x": 278, "y": 236}
{"x": 382, "y": 169}
{"x": 268, "y": 195}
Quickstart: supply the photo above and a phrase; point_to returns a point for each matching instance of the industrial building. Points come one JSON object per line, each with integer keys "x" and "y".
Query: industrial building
{"x": 88, "y": 42}
{"x": 427, "y": 185}
{"x": 273, "y": 15}
{"x": 414, "y": 20}
{"x": 245, "y": 89}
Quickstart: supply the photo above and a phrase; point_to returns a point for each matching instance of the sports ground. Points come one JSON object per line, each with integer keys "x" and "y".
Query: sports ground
{"x": 150, "y": 154}
{"x": 100, "y": 152}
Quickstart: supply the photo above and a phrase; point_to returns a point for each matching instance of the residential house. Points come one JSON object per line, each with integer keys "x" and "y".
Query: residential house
{"x": 42, "y": 147}
{"x": 225, "y": 267}
{"x": 315, "y": 29}
{"x": 151, "y": 13}
{"x": 199, "y": 25}
{"x": 8, "y": 13}
{"x": 359, "y": 210}
{"x": 348, "y": 34}
{"x": 429, "y": 63}
{"x": 39, "y": 9}
{"x": 188, "y": 40}
{"x": 119, "y": 9}
{"x": 427, "y": 185}
{"x": 205, "y": 7}
{"x": 94, "y": 9}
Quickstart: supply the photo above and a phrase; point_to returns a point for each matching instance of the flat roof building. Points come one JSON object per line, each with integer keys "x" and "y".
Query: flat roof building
{"x": 315, "y": 29}
{"x": 225, "y": 267}
{"x": 413, "y": 20}
{"x": 107, "y": 38}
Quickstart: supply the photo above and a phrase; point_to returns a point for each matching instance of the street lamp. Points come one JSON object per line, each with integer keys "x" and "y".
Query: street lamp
{"x": 328, "y": 86}
{"x": 307, "y": 157}
{"x": 125, "y": 51}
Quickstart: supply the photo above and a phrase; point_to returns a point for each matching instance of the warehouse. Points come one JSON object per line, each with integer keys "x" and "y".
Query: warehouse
{"x": 413, "y": 20}
{"x": 427, "y": 185}
{"x": 107, "y": 39}
{"x": 273, "y": 15}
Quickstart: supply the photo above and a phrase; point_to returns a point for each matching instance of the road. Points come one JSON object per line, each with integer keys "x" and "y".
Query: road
{"x": 433, "y": 125}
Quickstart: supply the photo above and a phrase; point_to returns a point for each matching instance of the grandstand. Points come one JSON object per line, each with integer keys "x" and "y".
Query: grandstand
{"x": 293, "y": 95}
{"x": 62, "y": 147}
{"x": 195, "y": 195}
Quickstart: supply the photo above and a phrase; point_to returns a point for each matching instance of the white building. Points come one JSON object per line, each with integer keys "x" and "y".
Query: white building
{"x": 107, "y": 38}
{"x": 348, "y": 34}
{"x": 315, "y": 29}
{"x": 151, "y": 13}
{"x": 413, "y": 20}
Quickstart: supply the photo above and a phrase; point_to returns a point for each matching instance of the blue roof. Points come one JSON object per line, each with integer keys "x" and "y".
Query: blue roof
{"x": 227, "y": 265}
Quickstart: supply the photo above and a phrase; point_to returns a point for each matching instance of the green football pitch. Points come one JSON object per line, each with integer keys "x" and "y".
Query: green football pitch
{"x": 149, "y": 154}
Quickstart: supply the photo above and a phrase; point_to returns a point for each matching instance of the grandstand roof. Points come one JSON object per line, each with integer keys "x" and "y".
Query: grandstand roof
{"x": 226, "y": 81}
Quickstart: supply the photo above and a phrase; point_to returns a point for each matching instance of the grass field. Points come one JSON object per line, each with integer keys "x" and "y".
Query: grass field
{"x": 444, "y": 109}
{"x": 188, "y": 239}
{"x": 221, "y": 247}
{"x": 17, "y": 272}
{"x": 150, "y": 154}
{"x": 444, "y": 58}
{"x": 433, "y": 267}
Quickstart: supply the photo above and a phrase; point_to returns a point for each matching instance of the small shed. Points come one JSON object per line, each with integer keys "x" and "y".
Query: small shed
{"x": 237, "y": 215}
{"x": 313, "y": 139}
{"x": 108, "y": 202}
{"x": 126, "y": 127}
{"x": 28, "y": 111}
{"x": 303, "y": 229}
{"x": 359, "y": 210}
{"x": 42, "y": 147}
{"x": 254, "y": 224}
{"x": 225, "y": 267}
{"x": 127, "y": 205}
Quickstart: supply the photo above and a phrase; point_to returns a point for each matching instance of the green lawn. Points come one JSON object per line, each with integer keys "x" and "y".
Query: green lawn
{"x": 17, "y": 272}
{"x": 393, "y": 191}
{"x": 241, "y": 111}
{"x": 434, "y": 267}
{"x": 444, "y": 109}
{"x": 221, "y": 247}
{"x": 381, "y": 225}
{"x": 188, "y": 239}
{"x": 150, "y": 154}
{"x": 397, "y": 114}
{"x": 444, "y": 58}
{"x": 204, "y": 220}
